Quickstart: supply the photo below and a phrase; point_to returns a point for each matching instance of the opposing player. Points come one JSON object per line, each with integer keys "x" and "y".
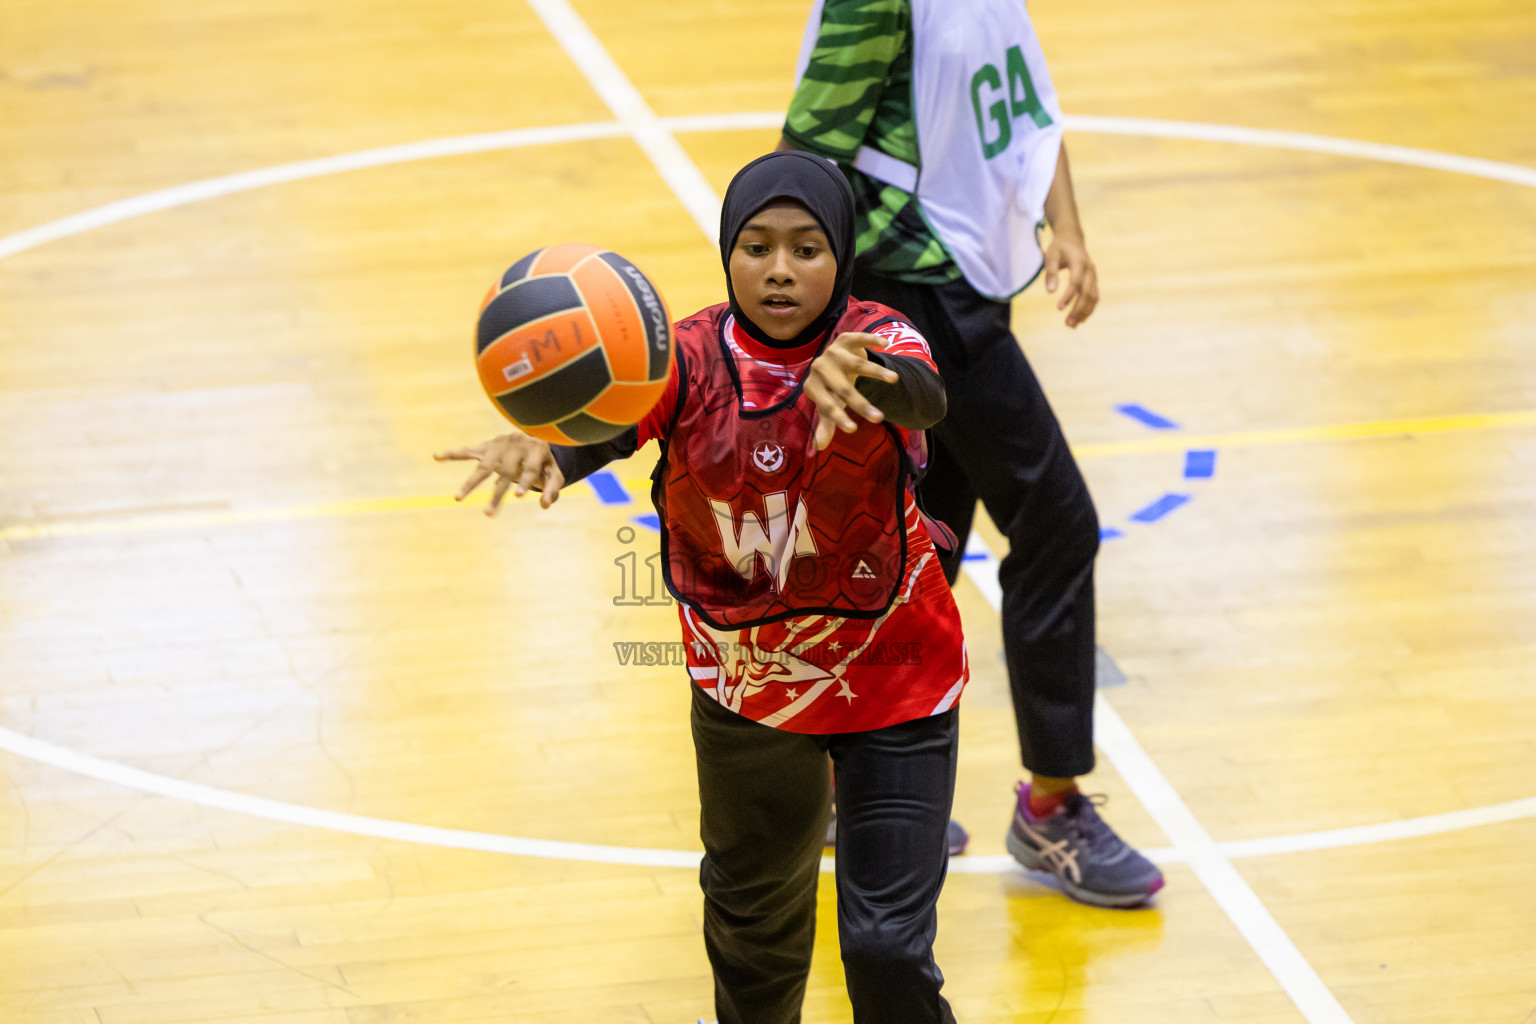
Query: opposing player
{"x": 816, "y": 618}
{"x": 945, "y": 118}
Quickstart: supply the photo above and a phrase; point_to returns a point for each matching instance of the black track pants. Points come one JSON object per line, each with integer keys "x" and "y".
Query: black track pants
{"x": 1000, "y": 442}
{"x": 763, "y": 815}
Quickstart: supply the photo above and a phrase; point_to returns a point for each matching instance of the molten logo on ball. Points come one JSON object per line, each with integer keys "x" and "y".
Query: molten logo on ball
{"x": 661, "y": 330}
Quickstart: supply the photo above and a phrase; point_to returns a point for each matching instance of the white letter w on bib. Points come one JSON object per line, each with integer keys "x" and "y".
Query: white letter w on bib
{"x": 744, "y": 541}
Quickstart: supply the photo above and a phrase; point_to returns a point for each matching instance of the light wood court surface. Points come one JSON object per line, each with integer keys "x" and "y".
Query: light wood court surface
{"x": 226, "y": 557}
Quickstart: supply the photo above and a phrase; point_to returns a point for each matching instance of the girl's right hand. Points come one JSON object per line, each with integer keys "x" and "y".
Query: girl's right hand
{"x": 831, "y": 384}
{"x": 514, "y": 458}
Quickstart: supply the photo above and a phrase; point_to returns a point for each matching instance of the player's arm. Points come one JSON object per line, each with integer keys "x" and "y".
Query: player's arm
{"x": 515, "y": 459}
{"x": 1068, "y": 251}
{"x": 850, "y": 378}
{"x": 915, "y": 400}
{"x": 836, "y": 99}
{"x": 576, "y": 462}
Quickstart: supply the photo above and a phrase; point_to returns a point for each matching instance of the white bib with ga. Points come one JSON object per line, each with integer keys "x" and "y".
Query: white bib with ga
{"x": 988, "y": 131}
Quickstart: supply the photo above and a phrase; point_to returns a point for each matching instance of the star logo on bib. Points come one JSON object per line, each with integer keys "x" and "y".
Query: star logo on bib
{"x": 768, "y": 457}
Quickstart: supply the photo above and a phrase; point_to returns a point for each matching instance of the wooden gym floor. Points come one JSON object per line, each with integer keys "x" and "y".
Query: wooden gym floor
{"x": 242, "y": 629}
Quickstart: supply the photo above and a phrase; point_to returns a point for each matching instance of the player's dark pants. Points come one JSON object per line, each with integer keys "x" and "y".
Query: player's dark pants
{"x": 763, "y": 815}
{"x": 1000, "y": 442}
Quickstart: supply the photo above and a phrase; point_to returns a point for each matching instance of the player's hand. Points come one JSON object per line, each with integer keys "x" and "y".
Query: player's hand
{"x": 514, "y": 459}
{"x": 830, "y": 384}
{"x": 1069, "y": 252}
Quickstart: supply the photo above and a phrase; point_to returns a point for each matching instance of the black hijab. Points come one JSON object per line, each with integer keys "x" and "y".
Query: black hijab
{"x": 817, "y": 185}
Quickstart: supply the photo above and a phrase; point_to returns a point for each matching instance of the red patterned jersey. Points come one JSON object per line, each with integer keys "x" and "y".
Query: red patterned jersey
{"x": 811, "y": 597}
{"x": 756, "y": 524}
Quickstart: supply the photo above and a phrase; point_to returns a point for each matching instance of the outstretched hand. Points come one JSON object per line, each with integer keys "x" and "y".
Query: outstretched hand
{"x": 830, "y": 384}
{"x": 1069, "y": 252}
{"x": 515, "y": 459}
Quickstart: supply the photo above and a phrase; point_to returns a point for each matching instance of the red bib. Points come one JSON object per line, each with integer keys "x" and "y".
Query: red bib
{"x": 756, "y": 524}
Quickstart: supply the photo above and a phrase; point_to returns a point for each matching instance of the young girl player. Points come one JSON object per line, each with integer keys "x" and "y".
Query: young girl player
{"x": 815, "y": 615}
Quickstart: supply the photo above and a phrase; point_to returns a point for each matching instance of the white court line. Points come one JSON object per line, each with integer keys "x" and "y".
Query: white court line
{"x": 1307, "y": 142}
{"x": 1383, "y": 831}
{"x": 296, "y": 814}
{"x": 42, "y": 752}
{"x": 703, "y": 213}
{"x": 211, "y": 188}
{"x": 615, "y": 89}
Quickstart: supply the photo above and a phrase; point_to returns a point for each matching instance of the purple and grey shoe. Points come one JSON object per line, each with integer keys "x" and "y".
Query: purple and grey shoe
{"x": 1095, "y": 866}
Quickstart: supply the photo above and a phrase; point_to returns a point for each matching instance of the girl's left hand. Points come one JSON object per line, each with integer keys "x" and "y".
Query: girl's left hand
{"x": 830, "y": 384}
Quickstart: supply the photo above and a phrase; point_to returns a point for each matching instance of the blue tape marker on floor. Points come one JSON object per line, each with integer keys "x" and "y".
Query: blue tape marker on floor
{"x": 973, "y": 556}
{"x": 649, "y": 521}
{"x": 1199, "y": 464}
{"x": 1109, "y": 533}
{"x": 609, "y": 490}
{"x": 1141, "y": 414}
{"x": 1159, "y": 508}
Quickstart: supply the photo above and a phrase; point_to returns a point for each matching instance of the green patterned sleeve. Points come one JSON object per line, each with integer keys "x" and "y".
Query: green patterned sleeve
{"x": 837, "y": 98}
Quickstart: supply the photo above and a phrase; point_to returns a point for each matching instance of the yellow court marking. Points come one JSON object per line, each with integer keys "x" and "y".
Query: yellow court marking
{"x": 1174, "y": 442}
{"x": 232, "y": 517}
{"x": 1170, "y": 442}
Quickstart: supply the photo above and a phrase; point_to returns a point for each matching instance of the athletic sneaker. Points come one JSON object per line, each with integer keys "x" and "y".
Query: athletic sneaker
{"x": 957, "y": 836}
{"x": 1073, "y": 843}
